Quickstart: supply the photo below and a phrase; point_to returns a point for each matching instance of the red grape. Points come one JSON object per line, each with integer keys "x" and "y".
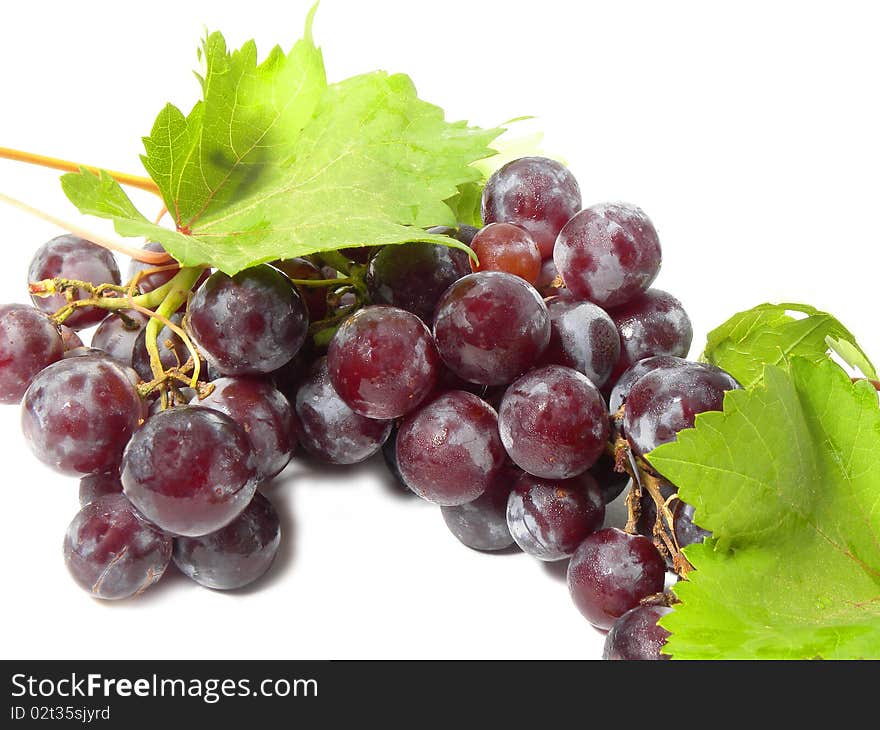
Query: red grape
{"x": 189, "y": 470}
{"x": 611, "y": 572}
{"x": 29, "y": 342}
{"x": 382, "y": 362}
{"x": 553, "y": 422}
{"x": 490, "y": 327}
{"x": 507, "y": 247}
{"x": 449, "y": 451}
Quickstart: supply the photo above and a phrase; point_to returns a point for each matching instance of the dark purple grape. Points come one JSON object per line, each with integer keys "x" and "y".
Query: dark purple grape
{"x": 173, "y": 351}
{"x": 636, "y": 636}
{"x": 112, "y": 552}
{"x": 539, "y": 194}
{"x": 382, "y": 362}
{"x": 117, "y": 337}
{"x": 29, "y": 342}
{"x": 509, "y": 248}
{"x": 330, "y": 429}
{"x": 491, "y": 327}
{"x": 665, "y": 401}
{"x": 248, "y": 324}
{"x": 608, "y": 254}
{"x": 315, "y": 298}
{"x": 611, "y": 572}
{"x": 94, "y": 486}
{"x": 265, "y": 415}
{"x": 654, "y": 323}
{"x": 79, "y": 413}
{"x": 413, "y": 276}
{"x": 549, "y": 283}
{"x": 583, "y": 337}
{"x": 71, "y": 257}
{"x": 482, "y": 524}
{"x": 70, "y": 338}
{"x": 611, "y": 482}
{"x": 463, "y": 233}
{"x": 549, "y": 518}
{"x": 288, "y": 377}
{"x": 449, "y": 451}
{"x": 235, "y": 555}
{"x": 553, "y": 422}
{"x": 189, "y": 470}
{"x": 687, "y": 532}
{"x": 625, "y": 382}
{"x": 149, "y": 282}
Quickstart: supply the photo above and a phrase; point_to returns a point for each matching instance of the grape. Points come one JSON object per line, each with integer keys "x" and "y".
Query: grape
{"x": 491, "y": 327}
{"x": 189, "y": 470}
{"x": 611, "y": 482}
{"x": 78, "y": 414}
{"x": 449, "y": 451}
{"x": 382, "y": 362}
{"x": 654, "y": 323}
{"x": 315, "y": 298}
{"x": 235, "y": 555}
{"x": 248, "y": 324}
{"x": 413, "y": 276}
{"x": 172, "y": 351}
{"x": 665, "y": 401}
{"x": 538, "y": 194}
{"x": 611, "y": 572}
{"x": 264, "y": 413}
{"x": 117, "y": 337}
{"x": 553, "y": 422}
{"x": 482, "y": 524}
{"x": 583, "y": 337}
{"x": 636, "y": 635}
{"x": 687, "y": 532}
{"x": 69, "y": 338}
{"x": 509, "y": 248}
{"x": 549, "y": 518}
{"x": 112, "y": 552}
{"x": 151, "y": 281}
{"x": 625, "y": 382}
{"x": 330, "y": 429}
{"x": 29, "y": 342}
{"x": 608, "y": 254}
{"x": 71, "y": 257}
{"x": 549, "y": 283}
{"x": 94, "y": 486}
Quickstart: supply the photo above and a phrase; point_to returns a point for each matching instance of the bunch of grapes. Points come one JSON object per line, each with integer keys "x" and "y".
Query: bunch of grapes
{"x": 520, "y": 394}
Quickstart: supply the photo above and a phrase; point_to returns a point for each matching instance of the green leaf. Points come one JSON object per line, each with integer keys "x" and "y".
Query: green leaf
{"x": 770, "y": 335}
{"x": 852, "y": 356}
{"x": 465, "y": 204}
{"x": 788, "y": 480}
{"x": 275, "y": 163}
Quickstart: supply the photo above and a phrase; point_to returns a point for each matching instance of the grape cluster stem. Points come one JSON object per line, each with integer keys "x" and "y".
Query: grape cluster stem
{"x": 644, "y": 479}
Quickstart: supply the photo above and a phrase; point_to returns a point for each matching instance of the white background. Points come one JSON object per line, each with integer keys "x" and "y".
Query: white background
{"x": 747, "y": 131}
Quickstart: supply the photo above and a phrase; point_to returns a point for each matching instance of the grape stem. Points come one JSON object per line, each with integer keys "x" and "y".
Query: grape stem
{"x": 173, "y": 299}
{"x": 148, "y": 257}
{"x": 644, "y": 479}
{"x": 55, "y": 163}
{"x": 314, "y": 283}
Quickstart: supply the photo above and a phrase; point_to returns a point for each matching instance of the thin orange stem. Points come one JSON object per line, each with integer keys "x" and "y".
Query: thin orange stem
{"x": 55, "y": 163}
{"x": 148, "y": 257}
{"x": 161, "y": 215}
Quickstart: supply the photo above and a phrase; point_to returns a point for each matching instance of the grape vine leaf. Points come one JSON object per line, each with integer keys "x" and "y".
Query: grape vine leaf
{"x": 769, "y": 334}
{"x": 274, "y": 162}
{"x": 788, "y": 480}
